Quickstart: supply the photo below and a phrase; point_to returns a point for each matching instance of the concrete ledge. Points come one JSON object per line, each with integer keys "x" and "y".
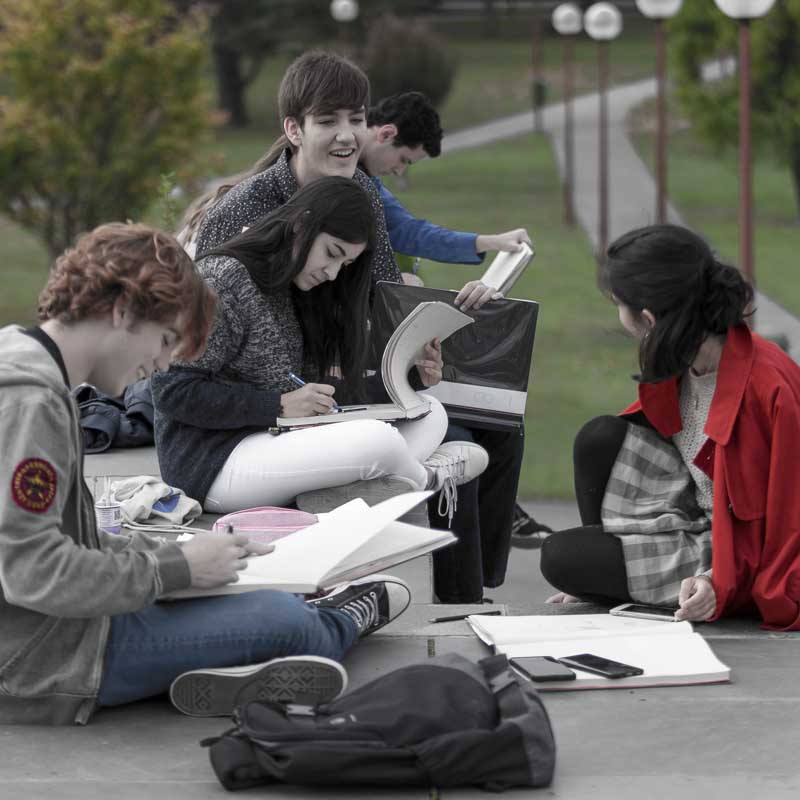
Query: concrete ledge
{"x": 121, "y": 463}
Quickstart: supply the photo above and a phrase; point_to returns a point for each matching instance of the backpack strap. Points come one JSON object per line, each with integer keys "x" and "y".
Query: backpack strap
{"x": 504, "y": 685}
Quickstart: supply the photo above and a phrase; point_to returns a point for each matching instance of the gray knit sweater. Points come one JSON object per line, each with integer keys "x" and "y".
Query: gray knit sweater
{"x": 206, "y": 407}
{"x": 262, "y": 193}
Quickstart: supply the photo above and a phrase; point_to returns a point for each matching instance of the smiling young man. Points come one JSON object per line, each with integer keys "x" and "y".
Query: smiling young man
{"x": 322, "y": 102}
{"x": 79, "y": 625}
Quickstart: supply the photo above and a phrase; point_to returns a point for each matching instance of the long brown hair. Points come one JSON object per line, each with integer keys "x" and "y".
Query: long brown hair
{"x": 275, "y": 248}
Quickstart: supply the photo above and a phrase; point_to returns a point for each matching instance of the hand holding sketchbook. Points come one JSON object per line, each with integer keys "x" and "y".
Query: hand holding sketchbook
{"x": 670, "y": 653}
{"x": 428, "y": 321}
{"x": 351, "y": 541}
{"x": 506, "y": 268}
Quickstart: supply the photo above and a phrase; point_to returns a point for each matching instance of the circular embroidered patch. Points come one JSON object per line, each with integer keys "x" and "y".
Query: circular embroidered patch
{"x": 33, "y": 485}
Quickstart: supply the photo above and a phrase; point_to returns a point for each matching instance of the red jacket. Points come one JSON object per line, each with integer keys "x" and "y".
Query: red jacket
{"x": 753, "y": 457}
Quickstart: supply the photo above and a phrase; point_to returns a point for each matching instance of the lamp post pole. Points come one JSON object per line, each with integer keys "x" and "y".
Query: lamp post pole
{"x": 661, "y": 135}
{"x": 603, "y": 22}
{"x": 344, "y": 11}
{"x": 602, "y": 78}
{"x": 660, "y": 10}
{"x": 745, "y": 156}
{"x": 745, "y": 11}
{"x": 569, "y": 134}
{"x": 536, "y": 72}
{"x": 568, "y": 21}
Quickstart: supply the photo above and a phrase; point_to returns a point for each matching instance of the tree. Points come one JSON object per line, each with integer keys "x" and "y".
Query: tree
{"x": 101, "y": 98}
{"x": 405, "y": 55}
{"x": 244, "y": 33}
{"x": 699, "y": 33}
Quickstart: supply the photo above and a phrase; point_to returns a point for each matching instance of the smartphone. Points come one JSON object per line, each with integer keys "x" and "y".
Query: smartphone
{"x": 542, "y": 668}
{"x": 644, "y": 612}
{"x": 600, "y": 666}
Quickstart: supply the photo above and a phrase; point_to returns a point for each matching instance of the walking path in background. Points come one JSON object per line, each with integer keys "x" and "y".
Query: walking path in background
{"x": 632, "y": 190}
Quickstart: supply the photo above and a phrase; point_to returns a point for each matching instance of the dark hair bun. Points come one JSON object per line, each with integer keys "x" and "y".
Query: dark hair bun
{"x": 725, "y": 298}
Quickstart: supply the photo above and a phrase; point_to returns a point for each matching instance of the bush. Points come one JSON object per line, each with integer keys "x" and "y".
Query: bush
{"x": 404, "y": 56}
{"x": 99, "y": 99}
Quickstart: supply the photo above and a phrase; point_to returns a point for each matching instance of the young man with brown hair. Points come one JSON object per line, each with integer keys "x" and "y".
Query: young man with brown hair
{"x": 79, "y": 625}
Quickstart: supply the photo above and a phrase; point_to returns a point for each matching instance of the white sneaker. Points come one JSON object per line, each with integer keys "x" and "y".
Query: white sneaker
{"x": 452, "y": 464}
{"x": 297, "y": 680}
{"x": 372, "y": 601}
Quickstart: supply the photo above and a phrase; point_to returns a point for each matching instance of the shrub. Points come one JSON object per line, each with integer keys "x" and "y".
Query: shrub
{"x": 405, "y": 55}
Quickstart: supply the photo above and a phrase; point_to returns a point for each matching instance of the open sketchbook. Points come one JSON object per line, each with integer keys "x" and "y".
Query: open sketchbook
{"x": 506, "y": 268}
{"x": 351, "y": 541}
{"x": 428, "y": 321}
{"x": 670, "y": 653}
{"x": 486, "y": 365}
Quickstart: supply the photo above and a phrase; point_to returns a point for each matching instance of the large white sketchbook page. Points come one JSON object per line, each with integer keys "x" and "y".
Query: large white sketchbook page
{"x": 314, "y": 558}
{"x": 670, "y": 653}
{"x": 529, "y": 629}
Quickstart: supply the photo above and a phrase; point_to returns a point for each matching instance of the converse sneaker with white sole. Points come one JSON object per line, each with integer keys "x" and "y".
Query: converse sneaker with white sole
{"x": 296, "y": 680}
{"x": 450, "y": 465}
{"x": 372, "y": 601}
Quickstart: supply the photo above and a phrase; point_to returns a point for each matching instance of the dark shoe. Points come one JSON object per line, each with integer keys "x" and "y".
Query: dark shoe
{"x": 372, "y": 601}
{"x": 526, "y": 532}
{"x": 298, "y": 680}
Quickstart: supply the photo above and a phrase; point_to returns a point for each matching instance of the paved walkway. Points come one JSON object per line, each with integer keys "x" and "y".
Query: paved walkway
{"x": 632, "y": 191}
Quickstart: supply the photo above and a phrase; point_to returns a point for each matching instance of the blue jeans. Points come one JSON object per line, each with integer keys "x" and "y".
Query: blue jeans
{"x": 148, "y": 649}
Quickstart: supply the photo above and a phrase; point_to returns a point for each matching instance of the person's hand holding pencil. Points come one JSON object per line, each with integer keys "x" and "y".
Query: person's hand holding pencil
{"x": 309, "y": 400}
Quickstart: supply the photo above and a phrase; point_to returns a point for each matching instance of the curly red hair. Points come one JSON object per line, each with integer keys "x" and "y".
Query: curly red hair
{"x": 144, "y": 267}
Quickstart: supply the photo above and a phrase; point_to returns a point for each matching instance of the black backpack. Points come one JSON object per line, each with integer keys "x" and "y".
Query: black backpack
{"x": 447, "y": 722}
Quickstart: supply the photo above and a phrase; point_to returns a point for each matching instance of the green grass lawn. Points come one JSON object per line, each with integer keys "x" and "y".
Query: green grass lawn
{"x": 582, "y": 360}
{"x": 710, "y": 205}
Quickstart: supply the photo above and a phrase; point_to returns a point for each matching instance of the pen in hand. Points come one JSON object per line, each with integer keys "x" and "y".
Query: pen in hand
{"x": 300, "y": 382}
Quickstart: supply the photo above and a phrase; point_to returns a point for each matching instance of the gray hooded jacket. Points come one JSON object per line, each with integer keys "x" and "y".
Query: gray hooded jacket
{"x": 61, "y": 578}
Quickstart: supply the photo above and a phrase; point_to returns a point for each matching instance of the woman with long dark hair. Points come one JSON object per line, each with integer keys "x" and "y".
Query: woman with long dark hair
{"x": 293, "y": 299}
{"x": 688, "y": 499}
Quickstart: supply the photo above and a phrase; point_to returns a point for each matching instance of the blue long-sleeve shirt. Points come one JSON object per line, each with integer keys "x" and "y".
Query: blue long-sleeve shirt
{"x": 418, "y": 237}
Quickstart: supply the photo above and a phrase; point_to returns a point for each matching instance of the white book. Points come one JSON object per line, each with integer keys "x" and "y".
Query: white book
{"x": 670, "y": 653}
{"x": 351, "y": 541}
{"x": 506, "y": 268}
{"x": 428, "y": 321}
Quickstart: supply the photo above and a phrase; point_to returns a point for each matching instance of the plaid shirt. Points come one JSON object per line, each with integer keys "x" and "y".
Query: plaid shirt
{"x": 650, "y": 505}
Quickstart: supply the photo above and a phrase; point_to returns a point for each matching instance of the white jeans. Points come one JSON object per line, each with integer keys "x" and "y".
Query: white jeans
{"x": 267, "y": 470}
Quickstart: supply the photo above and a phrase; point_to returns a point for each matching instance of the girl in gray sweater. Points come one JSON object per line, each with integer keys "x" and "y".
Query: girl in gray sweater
{"x": 293, "y": 300}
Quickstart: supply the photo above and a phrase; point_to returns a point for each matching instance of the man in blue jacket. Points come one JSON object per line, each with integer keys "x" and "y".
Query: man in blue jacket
{"x": 401, "y": 130}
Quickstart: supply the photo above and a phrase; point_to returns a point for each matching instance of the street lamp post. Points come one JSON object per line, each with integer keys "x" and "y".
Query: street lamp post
{"x": 537, "y": 84}
{"x": 344, "y": 11}
{"x": 744, "y": 11}
{"x": 603, "y": 22}
{"x": 660, "y": 10}
{"x": 568, "y": 21}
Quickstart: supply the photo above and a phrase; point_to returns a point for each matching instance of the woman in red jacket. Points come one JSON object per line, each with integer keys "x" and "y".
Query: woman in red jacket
{"x": 688, "y": 499}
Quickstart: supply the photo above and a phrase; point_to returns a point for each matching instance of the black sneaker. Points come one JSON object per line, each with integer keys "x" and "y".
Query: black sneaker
{"x": 297, "y": 680}
{"x": 526, "y": 532}
{"x": 372, "y": 601}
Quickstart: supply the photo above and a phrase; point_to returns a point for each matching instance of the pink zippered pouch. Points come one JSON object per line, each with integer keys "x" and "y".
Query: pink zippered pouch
{"x": 266, "y": 524}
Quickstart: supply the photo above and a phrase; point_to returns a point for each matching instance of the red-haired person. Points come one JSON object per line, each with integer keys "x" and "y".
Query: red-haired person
{"x": 79, "y": 625}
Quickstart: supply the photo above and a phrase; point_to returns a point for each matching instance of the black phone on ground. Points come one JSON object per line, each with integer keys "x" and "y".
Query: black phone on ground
{"x": 542, "y": 668}
{"x": 601, "y": 666}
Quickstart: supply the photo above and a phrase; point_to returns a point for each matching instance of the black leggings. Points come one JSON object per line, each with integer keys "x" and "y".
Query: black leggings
{"x": 587, "y": 562}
